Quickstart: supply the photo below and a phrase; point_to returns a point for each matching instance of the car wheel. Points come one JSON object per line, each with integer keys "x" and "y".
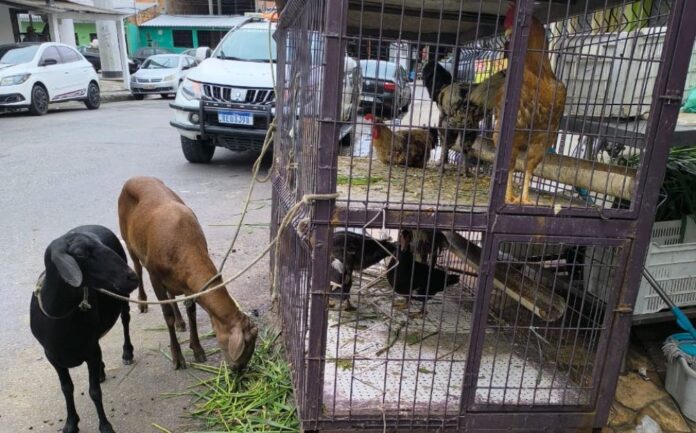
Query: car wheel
{"x": 93, "y": 97}
{"x": 39, "y": 100}
{"x": 138, "y": 96}
{"x": 197, "y": 151}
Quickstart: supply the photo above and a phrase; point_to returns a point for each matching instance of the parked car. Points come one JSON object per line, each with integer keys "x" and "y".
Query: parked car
{"x": 143, "y": 53}
{"x": 385, "y": 88}
{"x": 161, "y": 74}
{"x": 33, "y": 75}
{"x": 190, "y": 52}
{"x": 229, "y": 101}
{"x": 92, "y": 55}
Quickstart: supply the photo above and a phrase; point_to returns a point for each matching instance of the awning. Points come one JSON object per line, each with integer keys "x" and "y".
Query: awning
{"x": 66, "y": 9}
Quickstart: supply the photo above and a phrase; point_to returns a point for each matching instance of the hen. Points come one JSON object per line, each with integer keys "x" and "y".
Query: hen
{"x": 541, "y": 106}
{"x": 411, "y": 147}
{"x": 414, "y": 279}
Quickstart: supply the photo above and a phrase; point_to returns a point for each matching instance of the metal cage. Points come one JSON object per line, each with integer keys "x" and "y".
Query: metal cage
{"x": 428, "y": 296}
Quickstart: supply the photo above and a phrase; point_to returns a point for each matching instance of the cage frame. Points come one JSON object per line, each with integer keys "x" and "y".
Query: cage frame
{"x": 630, "y": 228}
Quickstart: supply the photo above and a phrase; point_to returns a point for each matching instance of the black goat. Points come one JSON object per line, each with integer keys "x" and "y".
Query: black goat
{"x": 68, "y": 317}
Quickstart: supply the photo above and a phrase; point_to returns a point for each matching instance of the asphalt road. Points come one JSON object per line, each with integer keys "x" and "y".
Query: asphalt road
{"x": 66, "y": 169}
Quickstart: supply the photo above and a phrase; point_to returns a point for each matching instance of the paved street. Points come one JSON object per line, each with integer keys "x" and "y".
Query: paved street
{"x": 66, "y": 169}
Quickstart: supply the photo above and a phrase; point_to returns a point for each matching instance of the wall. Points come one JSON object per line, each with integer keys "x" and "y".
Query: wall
{"x": 6, "y": 35}
{"x": 162, "y": 38}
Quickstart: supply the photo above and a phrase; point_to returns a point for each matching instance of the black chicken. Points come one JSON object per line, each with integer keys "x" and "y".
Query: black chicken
{"x": 353, "y": 252}
{"x": 410, "y": 278}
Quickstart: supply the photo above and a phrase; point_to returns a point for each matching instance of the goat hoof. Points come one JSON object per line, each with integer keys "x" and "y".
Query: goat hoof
{"x": 127, "y": 361}
{"x": 180, "y": 326}
{"x": 143, "y": 308}
{"x": 106, "y": 428}
{"x": 180, "y": 365}
{"x": 70, "y": 427}
{"x": 200, "y": 356}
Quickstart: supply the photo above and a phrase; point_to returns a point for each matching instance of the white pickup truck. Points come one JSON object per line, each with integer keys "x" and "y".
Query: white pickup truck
{"x": 228, "y": 100}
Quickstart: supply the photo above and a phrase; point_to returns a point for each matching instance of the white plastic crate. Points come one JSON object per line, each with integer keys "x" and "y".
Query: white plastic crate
{"x": 610, "y": 74}
{"x": 671, "y": 260}
{"x": 691, "y": 75}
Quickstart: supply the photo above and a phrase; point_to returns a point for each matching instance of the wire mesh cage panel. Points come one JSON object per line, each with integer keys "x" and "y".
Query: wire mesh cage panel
{"x": 488, "y": 158}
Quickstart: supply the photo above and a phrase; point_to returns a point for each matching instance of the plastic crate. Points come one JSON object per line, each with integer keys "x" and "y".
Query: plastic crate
{"x": 691, "y": 75}
{"x": 671, "y": 260}
{"x": 610, "y": 74}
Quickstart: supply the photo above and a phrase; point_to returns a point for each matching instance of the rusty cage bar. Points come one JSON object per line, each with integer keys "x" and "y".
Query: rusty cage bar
{"x": 430, "y": 295}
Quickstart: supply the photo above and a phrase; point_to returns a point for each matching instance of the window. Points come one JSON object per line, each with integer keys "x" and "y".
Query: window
{"x": 50, "y": 53}
{"x": 209, "y": 38}
{"x": 69, "y": 55}
{"x": 77, "y": 39}
{"x": 182, "y": 38}
{"x": 92, "y": 36}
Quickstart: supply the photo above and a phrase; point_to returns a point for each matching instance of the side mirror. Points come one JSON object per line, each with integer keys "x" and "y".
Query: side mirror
{"x": 48, "y": 62}
{"x": 185, "y": 67}
{"x": 202, "y": 53}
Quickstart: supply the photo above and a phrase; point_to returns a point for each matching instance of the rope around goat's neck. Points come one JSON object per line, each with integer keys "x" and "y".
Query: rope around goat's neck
{"x": 82, "y": 306}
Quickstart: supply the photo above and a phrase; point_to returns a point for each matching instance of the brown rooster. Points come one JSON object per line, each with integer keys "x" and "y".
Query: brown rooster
{"x": 409, "y": 147}
{"x": 541, "y": 106}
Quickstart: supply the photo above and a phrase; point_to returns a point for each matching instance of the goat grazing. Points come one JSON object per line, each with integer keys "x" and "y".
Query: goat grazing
{"x": 67, "y": 317}
{"x": 163, "y": 235}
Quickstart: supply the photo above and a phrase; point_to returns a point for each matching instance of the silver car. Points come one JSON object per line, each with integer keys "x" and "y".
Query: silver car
{"x": 161, "y": 74}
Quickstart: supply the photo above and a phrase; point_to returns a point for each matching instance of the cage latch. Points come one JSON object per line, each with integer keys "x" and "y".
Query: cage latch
{"x": 675, "y": 98}
{"x": 624, "y": 309}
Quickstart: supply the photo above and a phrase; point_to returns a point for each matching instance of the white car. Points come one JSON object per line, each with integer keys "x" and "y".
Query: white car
{"x": 161, "y": 74}
{"x": 228, "y": 100}
{"x": 34, "y": 75}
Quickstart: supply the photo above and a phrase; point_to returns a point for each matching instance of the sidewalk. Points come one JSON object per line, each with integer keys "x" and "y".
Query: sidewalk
{"x": 113, "y": 91}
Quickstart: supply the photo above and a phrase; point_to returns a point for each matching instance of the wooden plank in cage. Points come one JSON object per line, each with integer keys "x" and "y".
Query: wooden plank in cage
{"x": 617, "y": 181}
{"x": 533, "y": 295}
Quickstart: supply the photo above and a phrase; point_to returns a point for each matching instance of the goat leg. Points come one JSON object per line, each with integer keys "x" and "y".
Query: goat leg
{"x": 168, "y": 312}
{"x": 138, "y": 267}
{"x": 127, "y": 355}
{"x": 66, "y": 385}
{"x": 179, "y": 323}
{"x": 194, "y": 342}
{"x": 94, "y": 365}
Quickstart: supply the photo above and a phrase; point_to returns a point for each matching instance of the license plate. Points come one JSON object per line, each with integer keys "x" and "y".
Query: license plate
{"x": 236, "y": 117}
{"x": 368, "y": 98}
{"x": 149, "y": 86}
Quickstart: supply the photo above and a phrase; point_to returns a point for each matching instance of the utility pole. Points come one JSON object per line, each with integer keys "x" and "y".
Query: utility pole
{"x": 109, "y": 52}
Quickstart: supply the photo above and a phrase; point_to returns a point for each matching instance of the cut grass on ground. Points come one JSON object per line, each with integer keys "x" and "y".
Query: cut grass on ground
{"x": 258, "y": 400}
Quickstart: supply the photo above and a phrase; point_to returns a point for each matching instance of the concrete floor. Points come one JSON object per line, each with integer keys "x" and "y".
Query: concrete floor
{"x": 66, "y": 169}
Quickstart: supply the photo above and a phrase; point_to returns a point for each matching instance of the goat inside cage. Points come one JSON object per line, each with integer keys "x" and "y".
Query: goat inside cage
{"x": 496, "y": 166}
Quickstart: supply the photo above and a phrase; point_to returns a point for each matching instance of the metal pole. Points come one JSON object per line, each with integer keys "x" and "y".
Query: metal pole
{"x": 219, "y": 5}
{"x": 210, "y": 7}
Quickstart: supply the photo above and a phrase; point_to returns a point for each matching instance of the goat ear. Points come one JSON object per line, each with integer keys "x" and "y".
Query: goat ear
{"x": 68, "y": 268}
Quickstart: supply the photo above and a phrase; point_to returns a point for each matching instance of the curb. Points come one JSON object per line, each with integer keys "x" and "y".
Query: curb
{"x": 116, "y": 97}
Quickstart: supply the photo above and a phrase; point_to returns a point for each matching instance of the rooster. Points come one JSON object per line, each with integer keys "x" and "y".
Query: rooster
{"x": 459, "y": 118}
{"x": 411, "y": 147}
{"x": 541, "y": 106}
{"x": 414, "y": 279}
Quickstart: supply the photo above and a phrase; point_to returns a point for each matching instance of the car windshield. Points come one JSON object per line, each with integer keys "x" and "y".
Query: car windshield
{"x": 376, "y": 69}
{"x": 15, "y": 56}
{"x": 161, "y": 62}
{"x": 247, "y": 44}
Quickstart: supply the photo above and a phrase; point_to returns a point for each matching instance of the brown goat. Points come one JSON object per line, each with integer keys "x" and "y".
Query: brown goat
{"x": 163, "y": 235}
